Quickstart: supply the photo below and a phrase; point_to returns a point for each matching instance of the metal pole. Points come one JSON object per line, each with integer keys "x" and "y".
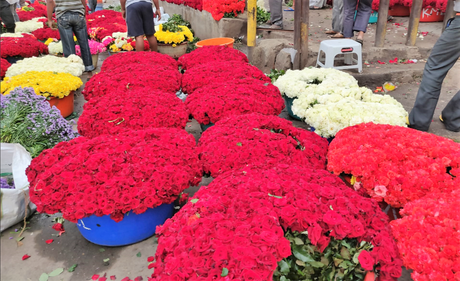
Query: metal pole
{"x": 252, "y": 27}
{"x": 382, "y": 23}
{"x": 450, "y": 13}
{"x": 414, "y": 20}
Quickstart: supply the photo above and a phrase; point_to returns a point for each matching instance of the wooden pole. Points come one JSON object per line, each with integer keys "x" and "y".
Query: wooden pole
{"x": 297, "y": 32}
{"x": 304, "y": 33}
{"x": 382, "y": 23}
{"x": 252, "y": 27}
{"x": 414, "y": 20}
{"x": 450, "y": 13}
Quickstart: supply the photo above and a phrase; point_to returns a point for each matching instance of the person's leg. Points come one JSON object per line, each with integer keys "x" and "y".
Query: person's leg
{"x": 92, "y": 5}
{"x": 445, "y": 53}
{"x": 66, "y": 33}
{"x": 134, "y": 21}
{"x": 78, "y": 23}
{"x": 148, "y": 25}
{"x": 7, "y": 16}
{"x": 140, "y": 43}
{"x": 13, "y": 12}
{"x": 276, "y": 12}
{"x": 349, "y": 8}
{"x": 362, "y": 17}
{"x": 337, "y": 16}
{"x": 451, "y": 114}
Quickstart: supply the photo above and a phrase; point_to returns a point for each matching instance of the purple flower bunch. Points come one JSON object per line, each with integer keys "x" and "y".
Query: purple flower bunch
{"x": 5, "y": 184}
{"x": 29, "y": 120}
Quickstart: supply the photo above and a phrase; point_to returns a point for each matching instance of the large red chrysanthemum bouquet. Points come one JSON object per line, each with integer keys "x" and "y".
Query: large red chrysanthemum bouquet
{"x": 438, "y": 4}
{"x": 208, "y": 54}
{"x": 4, "y": 65}
{"x": 117, "y": 113}
{"x": 221, "y": 8}
{"x": 260, "y": 140}
{"x": 218, "y": 71}
{"x": 139, "y": 58}
{"x": 44, "y": 33}
{"x": 35, "y": 10}
{"x": 233, "y": 228}
{"x": 395, "y": 164}
{"x": 213, "y": 102}
{"x": 428, "y": 237}
{"x": 25, "y": 47}
{"x": 133, "y": 77}
{"x": 104, "y": 23}
{"x": 195, "y": 4}
{"x": 112, "y": 175}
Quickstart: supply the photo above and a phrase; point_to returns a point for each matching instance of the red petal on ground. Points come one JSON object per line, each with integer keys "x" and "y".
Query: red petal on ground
{"x": 49, "y": 241}
{"x": 113, "y": 277}
{"x": 95, "y": 277}
{"x": 102, "y": 279}
{"x": 125, "y": 279}
{"x": 150, "y": 259}
{"x": 25, "y": 257}
{"x": 150, "y": 266}
{"x": 138, "y": 278}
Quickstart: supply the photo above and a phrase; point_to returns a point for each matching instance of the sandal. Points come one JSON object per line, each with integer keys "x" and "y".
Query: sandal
{"x": 360, "y": 41}
{"x": 315, "y": 8}
{"x": 338, "y": 35}
{"x": 331, "y": 32}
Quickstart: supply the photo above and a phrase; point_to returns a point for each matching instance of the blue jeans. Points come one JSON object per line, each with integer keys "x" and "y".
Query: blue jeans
{"x": 68, "y": 24}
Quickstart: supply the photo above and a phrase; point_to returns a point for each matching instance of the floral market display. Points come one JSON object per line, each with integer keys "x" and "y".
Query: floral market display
{"x": 234, "y": 228}
{"x": 24, "y": 47}
{"x": 72, "y": 65}
{"x": 29, "y": 26}
{"x": 131, "y": 77}
{"x": 173, "y": 34}
{"x": 437, "y": 4}
{"x": 56, "y": 48}
{"x": 29, "y": 120}
{"x": 44, "y": 33}
{"x": 119, "y": 41}
{"x": 4, "y": 66}
{"x": 104, "y": 23}
{"x": 428, "y": 236}
{"x": 17, "y": 34}
{"x": 395, "y": 164}
{"x": 112, "y": 175}
{"x": 148, "y": 58}
{"x": 209, "y": 54}
{"x": 224, "y": 8}
{"x": 257, "y": 139}
{"x": 195, "y": 4}
{"x": 32, "y": 11}
{"x": 114, "y": 113}
{"x": 218, "y": 100}
{"x": 328, "y": 119}
{"x": 45, "y": 83}
{"x": 218, "y": 71}
{"x": 94, "y": 47}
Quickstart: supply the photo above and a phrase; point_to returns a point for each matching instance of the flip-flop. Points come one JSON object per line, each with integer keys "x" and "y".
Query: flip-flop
{"x": 331, "y": 32}
{"x": 338, "y": 35}
{"x": 289, "y": 10}
{"x": 360, "y": 41}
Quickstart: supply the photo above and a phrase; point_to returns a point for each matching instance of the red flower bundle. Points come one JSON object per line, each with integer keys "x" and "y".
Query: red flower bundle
{"x": 25, "y": 47}
{"x": 112, "y": 175}
{"x": 395, "y": 164}
{"x": 104, "y": 23}
{"x": 218, "y": 71}
{"x": 219, "y": 100}
{"x": 44, "y": 33}
{"x": 4, "y": 65}
{"x": 235, "y": 224}
{"x": 195, "y": 4}
{"x": 133, "y": 77}
{"x": 113, "y": 62}
{"x": 146, "y": 45}
{"x": 428, "y": 236}
{"x": 260, "y": 140}
{"x": 117, "y": 113}
{"x": 218, "y": 8}
{"x": 36, "y": 10}
{"x": 209, "y": 54}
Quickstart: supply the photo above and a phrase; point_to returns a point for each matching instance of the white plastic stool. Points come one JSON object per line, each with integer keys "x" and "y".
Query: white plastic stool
{"x": 346, "y": 47}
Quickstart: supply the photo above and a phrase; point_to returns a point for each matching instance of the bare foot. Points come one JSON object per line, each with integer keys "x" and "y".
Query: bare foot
{"x": 331, "y": 32}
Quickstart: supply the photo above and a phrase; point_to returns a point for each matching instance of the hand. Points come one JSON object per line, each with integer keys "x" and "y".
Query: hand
{"x": 158, "y": 13}
{"x": 51, "y": 24}
{"x": 123, "y": 13}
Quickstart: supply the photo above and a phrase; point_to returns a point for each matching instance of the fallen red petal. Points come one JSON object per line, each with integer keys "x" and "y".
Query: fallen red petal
{"x": 138, "y": 278}
{"x": 102, "y": 279}
{"x": 49, "y": 241}
{"x": 113, "y": 277}
{"x": 95, "y": 277}
{"x": 25, "y": 257}
{"x": 150, "y": 259}
{"x": 125, "y": 279}
{"x": 150, "y": 266}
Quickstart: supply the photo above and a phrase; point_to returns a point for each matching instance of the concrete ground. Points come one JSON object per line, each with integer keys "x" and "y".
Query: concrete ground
{"x": 71, "y": 248}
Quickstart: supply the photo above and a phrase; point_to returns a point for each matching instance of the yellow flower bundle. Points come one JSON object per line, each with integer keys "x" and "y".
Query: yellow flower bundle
{"x": 45, "y": 83}
{"x": 168, "y": 37}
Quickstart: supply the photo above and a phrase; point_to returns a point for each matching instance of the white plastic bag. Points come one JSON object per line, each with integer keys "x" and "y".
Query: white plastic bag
{"x": 14, "y": 162}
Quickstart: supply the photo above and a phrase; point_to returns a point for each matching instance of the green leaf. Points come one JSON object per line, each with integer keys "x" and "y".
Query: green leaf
{"x": 194, "y": 200}
{"x": 56, "y": 272}
{"x": 43, "y": 277}
{"x": 355, "y": 257}
{"x": 283, "y": 278}
{"x": 271, "y": 195}
{"x": 101, "y": 250}
{"x": 20, "y": 238}
{"x": 302, "y": 254}
{"x": 345, "y": 253}
{"x": 139, "y": 255}
{"x": 72, "y": 268}
{"x": 239, "y": 144}
{"x": 298, "y": 241}
{"x": 283, "y": 266}
{"x": 299, "y": 262}
{"x": 106, "y": 260}
{"x": 224, "y": 272}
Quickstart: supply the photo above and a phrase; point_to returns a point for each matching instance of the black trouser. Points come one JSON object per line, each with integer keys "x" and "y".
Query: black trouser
{"x": 6, "y": 16}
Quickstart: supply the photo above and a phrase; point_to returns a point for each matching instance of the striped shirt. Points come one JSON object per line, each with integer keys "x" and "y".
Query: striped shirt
{"x": 63, "y": 6}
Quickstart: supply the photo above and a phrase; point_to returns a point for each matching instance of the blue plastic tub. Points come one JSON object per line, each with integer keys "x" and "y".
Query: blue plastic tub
{"x": 289, "y": 102}
{"x": 373, "y": 18}
{"x": 132, "y": 229}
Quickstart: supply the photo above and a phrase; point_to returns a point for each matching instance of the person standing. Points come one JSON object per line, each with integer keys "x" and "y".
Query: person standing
{"x": 6, "y": 16}
{"x": 276, "y": 14}
{"x": 71, "y": 20}
{"x": 13, "y": 6}
{"x": 139, "y": 18}
{"x": 337, "y": 19}
{"x": 352, "y": 24}
{"x": 444, "y": 55}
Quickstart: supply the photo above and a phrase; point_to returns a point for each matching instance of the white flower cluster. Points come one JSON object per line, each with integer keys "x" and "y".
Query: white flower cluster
{"x": 55, "y": 48}
{"x": 120, "y": 39}
{"x": 328, "y": 119}
{"x": 72, "y": 64}
{"x": 16, "y": 35}
{"x": 261, "y": 4}
{"x": 28, "y": 26}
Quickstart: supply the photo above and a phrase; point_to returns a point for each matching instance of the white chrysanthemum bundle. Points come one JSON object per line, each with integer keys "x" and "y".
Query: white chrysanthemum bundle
{"x": 28, "y": 26}
{"x": 72, "y": 65}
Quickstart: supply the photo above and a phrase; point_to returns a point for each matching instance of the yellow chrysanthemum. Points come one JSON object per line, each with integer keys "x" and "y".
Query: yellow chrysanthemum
{"x": 127, "y": 47}
{"x": 49, "y": 41}
{"x": 45, "y": 83}
{"x": 114, "y": 48}
{"x": 168, "y": 37}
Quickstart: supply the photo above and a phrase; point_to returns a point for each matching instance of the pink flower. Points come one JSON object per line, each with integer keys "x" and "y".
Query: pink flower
{"x": 380, "y": 190}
